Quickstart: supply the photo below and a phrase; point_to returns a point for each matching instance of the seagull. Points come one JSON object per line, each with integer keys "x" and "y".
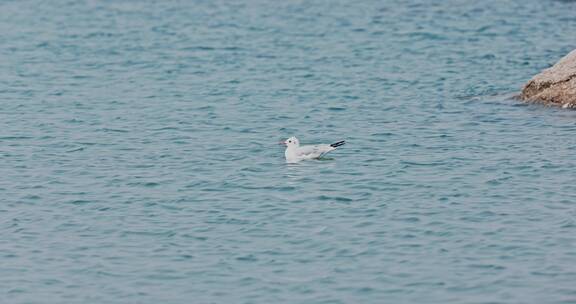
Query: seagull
{"x": 295, "y": 153}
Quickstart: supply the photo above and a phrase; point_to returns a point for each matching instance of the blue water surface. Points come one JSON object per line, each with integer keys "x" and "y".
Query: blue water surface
{"x": 139, "y": 159}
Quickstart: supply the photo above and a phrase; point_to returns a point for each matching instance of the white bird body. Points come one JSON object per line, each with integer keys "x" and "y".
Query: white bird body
{"x": 295, "y": 153}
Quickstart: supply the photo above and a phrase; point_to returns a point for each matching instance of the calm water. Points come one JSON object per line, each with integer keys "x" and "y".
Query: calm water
{"x": 139, "y": 161}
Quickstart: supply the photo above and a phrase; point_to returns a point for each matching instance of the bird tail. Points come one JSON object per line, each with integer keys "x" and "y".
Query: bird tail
{"x": 337, "y": 144}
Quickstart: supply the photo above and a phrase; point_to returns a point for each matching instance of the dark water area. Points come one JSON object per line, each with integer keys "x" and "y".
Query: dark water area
{"x": 139, "y": 157}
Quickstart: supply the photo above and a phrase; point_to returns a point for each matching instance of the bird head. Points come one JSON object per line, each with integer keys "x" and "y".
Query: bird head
{"x": 292, "y": 142}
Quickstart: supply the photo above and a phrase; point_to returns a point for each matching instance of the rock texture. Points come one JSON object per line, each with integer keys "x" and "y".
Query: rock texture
{"x": 554, "y": 86}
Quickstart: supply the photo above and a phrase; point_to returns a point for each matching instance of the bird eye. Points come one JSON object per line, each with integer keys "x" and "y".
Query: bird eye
{"x": 290, "y": 141}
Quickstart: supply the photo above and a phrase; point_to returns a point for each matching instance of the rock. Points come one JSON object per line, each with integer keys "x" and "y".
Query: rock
{"x": 554, "y": 86}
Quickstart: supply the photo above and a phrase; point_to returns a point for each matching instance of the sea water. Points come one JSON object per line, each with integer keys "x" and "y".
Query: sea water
{"x": 139, "y": 159}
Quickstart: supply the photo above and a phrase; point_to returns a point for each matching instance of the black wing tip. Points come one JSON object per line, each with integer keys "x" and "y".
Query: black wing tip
{"x": 338, "y": 144}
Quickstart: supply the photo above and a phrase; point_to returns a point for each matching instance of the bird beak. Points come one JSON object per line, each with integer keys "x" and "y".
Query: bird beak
{"x": 282, "y": 143}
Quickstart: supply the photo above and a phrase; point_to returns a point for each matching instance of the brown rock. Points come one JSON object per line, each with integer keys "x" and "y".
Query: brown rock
{"x": 554, "y": 86}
